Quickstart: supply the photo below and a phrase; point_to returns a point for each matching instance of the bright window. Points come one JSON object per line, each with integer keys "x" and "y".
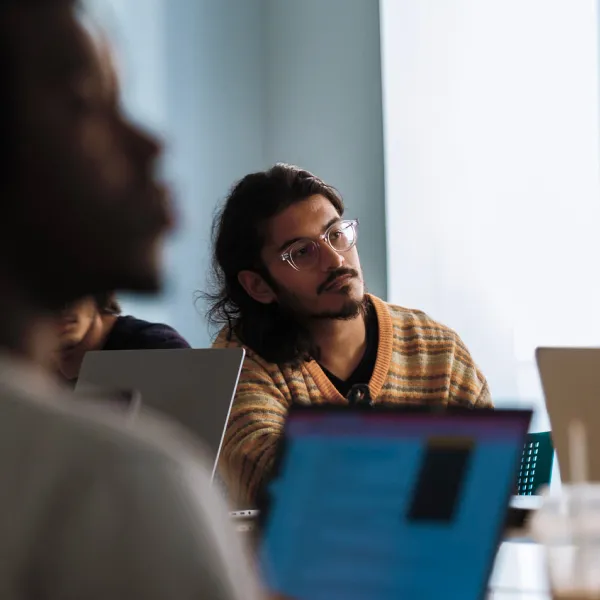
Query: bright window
{"x": 493, "y": 203}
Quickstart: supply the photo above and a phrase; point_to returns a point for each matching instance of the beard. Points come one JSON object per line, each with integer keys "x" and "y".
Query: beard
{"x": 280, "y": 331}
{"x": 351, "y": 308}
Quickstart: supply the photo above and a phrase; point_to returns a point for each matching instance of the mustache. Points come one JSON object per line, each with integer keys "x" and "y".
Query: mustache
{"x": 333, "y": 276}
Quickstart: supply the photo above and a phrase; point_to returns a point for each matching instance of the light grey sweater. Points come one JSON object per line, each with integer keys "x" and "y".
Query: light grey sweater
{"x": 93, "y": 508}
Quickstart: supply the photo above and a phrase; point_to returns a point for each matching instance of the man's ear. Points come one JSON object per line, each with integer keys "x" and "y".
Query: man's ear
{"x": 256, "y": 287}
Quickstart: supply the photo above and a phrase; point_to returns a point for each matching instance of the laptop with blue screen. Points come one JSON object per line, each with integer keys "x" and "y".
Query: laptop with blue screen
{"x": 369, "y": 504}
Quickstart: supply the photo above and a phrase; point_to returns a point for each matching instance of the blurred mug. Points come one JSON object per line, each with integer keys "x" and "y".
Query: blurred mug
{"x": 568, "y": 527}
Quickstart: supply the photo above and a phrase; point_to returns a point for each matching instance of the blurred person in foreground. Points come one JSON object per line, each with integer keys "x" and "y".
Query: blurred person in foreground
{"x": 289, "y": 288}
{"x": 96, "y": 323}
{"x": 91, "y": 507}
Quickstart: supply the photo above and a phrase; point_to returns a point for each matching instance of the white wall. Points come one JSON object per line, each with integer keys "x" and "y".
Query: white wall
{"x": 491, "y": 150}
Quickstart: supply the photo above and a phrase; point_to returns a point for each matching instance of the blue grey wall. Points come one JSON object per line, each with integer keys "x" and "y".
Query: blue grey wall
{"x": 194, "y": 71}
{"x": 324, "y": 107}
{"x": 236, "y": 85}
{"x": 215, "y": 107}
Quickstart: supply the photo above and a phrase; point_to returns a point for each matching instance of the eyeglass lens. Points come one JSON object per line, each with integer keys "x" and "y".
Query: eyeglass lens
{"x": 341, "y": 238}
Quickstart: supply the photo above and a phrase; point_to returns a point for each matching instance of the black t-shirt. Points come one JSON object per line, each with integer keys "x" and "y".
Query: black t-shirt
{"x": 364, "y": 370}
{"x": 129, "y": 333}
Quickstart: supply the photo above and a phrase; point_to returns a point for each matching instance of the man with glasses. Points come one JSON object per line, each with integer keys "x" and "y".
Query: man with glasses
{"x": 290, "y": 290}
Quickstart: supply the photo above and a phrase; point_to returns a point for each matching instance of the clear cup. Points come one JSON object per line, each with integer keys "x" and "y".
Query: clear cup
{"x": 568, "y": 527}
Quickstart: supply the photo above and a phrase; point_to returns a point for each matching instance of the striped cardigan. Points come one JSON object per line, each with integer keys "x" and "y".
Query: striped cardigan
{"x": 418, "y": 361}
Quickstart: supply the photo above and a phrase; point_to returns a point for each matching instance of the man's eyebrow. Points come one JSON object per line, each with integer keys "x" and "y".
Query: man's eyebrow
{"x": 288, "y": 243}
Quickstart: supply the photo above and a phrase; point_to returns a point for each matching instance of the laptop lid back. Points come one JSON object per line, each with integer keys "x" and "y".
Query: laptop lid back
{"x": 570, "y": 380}
{"x": 194, "y": 387}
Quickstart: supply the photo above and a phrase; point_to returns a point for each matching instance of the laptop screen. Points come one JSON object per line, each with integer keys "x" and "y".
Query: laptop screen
{"x": 379, "y": 505}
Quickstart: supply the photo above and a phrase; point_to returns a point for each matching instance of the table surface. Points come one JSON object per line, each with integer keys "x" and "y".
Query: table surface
{"x": 526, "y": 502}
{"x": 519, "y": 573}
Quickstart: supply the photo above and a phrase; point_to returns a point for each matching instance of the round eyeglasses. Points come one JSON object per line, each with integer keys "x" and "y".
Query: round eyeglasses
{"x": 305, "y": 254}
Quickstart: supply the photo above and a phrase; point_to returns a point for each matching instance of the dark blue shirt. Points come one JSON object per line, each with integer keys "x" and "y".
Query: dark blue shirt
{"x": 129, "y": 333}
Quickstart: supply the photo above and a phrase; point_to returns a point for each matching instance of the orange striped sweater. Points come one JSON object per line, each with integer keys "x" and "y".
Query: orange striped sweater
{"x": 418, "y": 361}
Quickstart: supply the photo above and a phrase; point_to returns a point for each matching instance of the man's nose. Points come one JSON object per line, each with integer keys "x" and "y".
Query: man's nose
{"x": 146, "y": 146}
{"x": 330, "y": 259}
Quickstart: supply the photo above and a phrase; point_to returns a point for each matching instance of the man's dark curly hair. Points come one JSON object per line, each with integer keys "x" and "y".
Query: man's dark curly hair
{"x": 238, "y": 238}
{"x": 9, "y": 73}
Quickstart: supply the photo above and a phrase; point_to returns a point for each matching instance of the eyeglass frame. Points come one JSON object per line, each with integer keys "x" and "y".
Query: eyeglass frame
{"x": 323, "y": 237}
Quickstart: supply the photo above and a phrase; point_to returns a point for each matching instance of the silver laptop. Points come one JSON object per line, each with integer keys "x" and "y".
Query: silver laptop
{"x": 194, "y": 387}
{"x": 571, "y": 382}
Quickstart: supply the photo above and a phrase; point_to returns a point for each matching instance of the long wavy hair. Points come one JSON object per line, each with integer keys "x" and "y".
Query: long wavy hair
{"x": 238, "y": 238}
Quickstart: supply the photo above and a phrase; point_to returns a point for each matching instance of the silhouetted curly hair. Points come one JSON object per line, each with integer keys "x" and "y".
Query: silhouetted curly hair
{"x": 10, "y": 104}
{"x": 238, "y": 238}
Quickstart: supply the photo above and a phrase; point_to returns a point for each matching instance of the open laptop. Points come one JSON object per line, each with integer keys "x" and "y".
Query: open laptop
{"x": 376, "y": 504}
{"x": 570, "y": 381}
{"x": 194, "y": 387}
